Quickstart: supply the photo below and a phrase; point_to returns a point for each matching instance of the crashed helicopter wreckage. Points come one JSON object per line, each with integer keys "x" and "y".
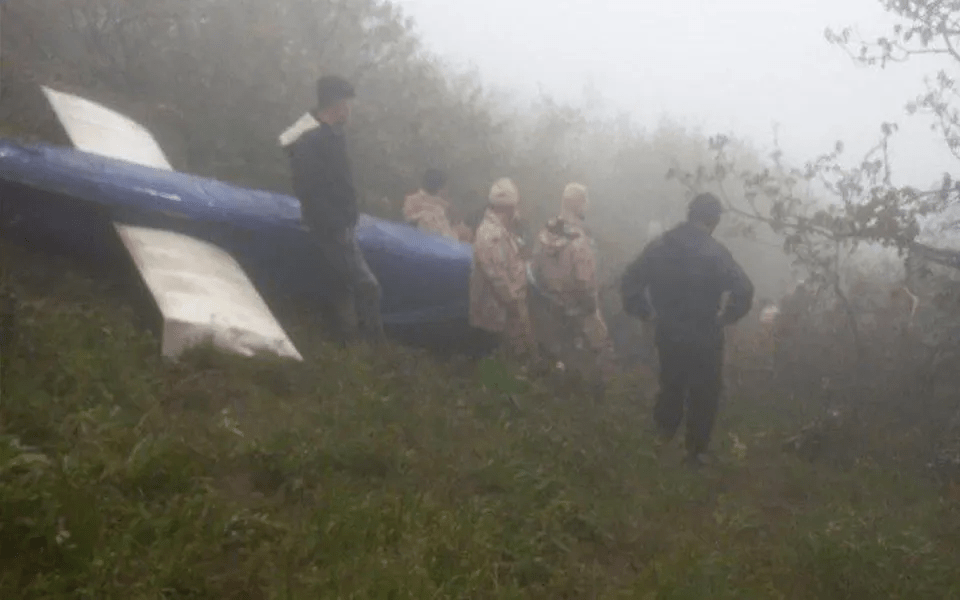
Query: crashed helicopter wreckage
{"x": 215, "y": 257}
{"x": 200, "y": 291}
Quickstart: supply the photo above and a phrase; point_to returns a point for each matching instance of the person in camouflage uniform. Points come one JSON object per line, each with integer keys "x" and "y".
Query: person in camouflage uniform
{"x": 427, "y": 209}
{"x": 564, "y": 297}
{"x": 498, "y": 282}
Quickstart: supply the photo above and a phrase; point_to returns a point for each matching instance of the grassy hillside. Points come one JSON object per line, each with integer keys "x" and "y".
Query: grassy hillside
{"x": 397, "y": 476}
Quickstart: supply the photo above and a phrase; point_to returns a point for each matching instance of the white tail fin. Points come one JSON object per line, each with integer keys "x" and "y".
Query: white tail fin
{"x": 97, "y": 129}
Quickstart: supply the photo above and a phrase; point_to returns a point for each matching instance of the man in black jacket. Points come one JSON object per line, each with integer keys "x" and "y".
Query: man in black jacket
{"x": 679, "y": 280}
{"x": 323, "y": 182}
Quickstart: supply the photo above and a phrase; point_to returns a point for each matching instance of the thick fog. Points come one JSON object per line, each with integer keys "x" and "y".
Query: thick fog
{"x": 568, "y": 70}
{"x": 736, "y": 66}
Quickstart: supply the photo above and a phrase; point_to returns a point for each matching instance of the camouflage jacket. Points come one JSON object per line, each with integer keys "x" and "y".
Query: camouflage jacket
{"x": 498, "y": 280}
{"x": 564, "y": 267}
{"x": 428, "y": 213}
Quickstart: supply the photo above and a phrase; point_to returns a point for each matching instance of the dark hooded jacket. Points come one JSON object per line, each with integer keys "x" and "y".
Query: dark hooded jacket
{"x": 681, "y": 276}
{"x": 323, "y": 180}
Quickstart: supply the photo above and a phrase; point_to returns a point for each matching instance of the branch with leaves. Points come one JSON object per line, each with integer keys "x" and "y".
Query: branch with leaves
{"x": 822, "y": 211}
{"x": 928, "y": 28}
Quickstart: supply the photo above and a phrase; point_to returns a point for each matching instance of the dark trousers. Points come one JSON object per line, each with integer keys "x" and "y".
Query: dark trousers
{"x": 355, "y": 292}
{"x": 691, "y": 379}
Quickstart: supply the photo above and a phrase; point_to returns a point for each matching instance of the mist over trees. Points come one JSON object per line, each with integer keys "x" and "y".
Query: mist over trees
{"x": 384, "y": 474}
{"x": 217, "y": 82}
{"x": 848, "y": 227}
{"x": 825, "y": 210}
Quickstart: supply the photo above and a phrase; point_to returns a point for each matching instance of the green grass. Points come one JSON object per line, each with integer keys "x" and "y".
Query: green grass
{"x": 395, "y": 475}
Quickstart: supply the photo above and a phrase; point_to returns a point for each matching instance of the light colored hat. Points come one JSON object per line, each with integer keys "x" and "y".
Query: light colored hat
{"x": 504, "y": 194}
{"x": 575, "y": 199}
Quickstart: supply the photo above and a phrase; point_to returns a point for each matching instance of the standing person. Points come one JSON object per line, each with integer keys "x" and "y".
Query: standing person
{"x": 427, "y": 209}
{"x": 498, "y": 279}
{"x": 679, "y": 280}
{"x": 564, "y": 292}
{"x": 323, "y": 183}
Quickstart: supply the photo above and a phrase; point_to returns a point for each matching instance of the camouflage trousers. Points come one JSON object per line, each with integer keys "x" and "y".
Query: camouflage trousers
{"x": 579, "y": 342}
{"x": 518, "y": 334}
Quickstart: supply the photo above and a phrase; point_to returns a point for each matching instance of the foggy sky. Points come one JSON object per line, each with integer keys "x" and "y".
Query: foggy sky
{"x": 731, "y": 66}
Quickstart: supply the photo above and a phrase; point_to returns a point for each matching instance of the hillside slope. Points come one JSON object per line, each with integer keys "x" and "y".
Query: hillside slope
{"x": 398, "y": 476}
